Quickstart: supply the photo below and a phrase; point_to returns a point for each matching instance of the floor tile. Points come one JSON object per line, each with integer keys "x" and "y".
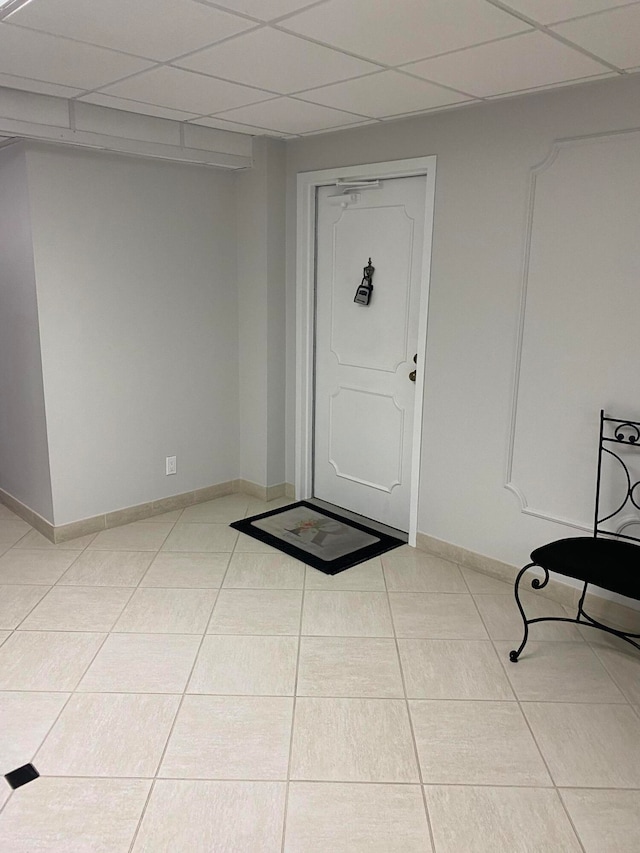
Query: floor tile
{"x": 623, "y": 664}
{"x": 475, "y": 743}
{"x": 37, "y": 567}
{"x": 502, "y": 618}
{"x": 3, "y": 636}
{"x": 256, "y": 506}
{"x": 139, "y": 536}
{"x": 499, "y": 820}
{"x": 434, "y": 615}
{"x": 78, "y": 608}
{"x": 107, "y": 568}
{"x": 142, "y": 663}
{"x": 16, "y": 602}
{"x": 167, "y": 611}
{"x": 25, "y": 719}
{"x": 201, "y": 537}
{"x": 188, "y": 570}
{"x": 481, "y": 583}
{"x": 256, "y": 611}
{"x": 172, "y": 516}
{"x": 264, "y": 571}
{"x": 230, "y": 737}
{"x": 249, "y": 545}
{"x": 421, "y": 572}
{"x": 35, "y": 540}
{"x": 213, "y": 816}
{"x": 559, "y": 672}
{"x": 352, "y": 740}
{"x": 453, "y": 669}
{"x": 74, "y": 816}
{"x": 7, "y": 515}
{"x": 347, "y": 818}
{"x": 46, "y": 660}
{"x": 588, "y": 746}
{"x": 349, "y": 666}
{"x": 249, "y": 666}
{"x": 219, "y": 511}
{"x": 364, "y": 576}
{"x": 108, "y": 734}
{"x": 12, "y": 531}
{"x": 346, "y": 614}
{"x": 606, "y": 821}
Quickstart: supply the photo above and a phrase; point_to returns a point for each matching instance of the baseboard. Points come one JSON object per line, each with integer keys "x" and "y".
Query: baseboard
{"x": 609, "y": 612}
{"x": 27, "y": 514}
{"x": 94, "y": 524}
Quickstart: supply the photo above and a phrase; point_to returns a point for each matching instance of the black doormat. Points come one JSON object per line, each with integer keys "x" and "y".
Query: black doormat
{"x": 317, "y": 537}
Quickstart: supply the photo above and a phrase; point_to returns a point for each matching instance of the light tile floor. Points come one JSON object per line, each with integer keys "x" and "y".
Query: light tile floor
{"x": 183, "y": 688}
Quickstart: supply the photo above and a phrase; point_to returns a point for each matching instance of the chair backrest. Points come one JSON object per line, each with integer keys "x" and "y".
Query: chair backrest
{"x": 618, "y": 483}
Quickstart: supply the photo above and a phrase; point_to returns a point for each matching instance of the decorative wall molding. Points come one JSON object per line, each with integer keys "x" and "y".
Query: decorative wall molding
{"x": 535, "y": 174}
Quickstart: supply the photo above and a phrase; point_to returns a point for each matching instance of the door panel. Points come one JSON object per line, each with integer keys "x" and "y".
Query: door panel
{"x": 364, "y": 354}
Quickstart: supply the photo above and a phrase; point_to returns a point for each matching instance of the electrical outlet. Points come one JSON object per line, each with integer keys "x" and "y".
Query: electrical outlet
{"x": 171, "y": 465}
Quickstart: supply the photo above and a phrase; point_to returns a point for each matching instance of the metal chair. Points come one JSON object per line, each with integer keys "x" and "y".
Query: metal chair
{"x": 610, "y": 558}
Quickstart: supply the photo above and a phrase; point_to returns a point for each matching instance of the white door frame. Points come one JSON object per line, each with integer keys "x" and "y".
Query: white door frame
{"x": 308, "y": 182}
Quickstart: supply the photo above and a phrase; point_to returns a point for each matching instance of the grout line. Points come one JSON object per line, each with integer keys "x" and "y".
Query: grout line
{"x": 410, "y": 718}
{"x": 293, "y": 712}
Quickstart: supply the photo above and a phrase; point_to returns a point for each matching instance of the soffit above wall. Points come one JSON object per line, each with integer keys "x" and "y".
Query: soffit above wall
{"x": 297, "y": 67}
{"x": 60, "y": 120}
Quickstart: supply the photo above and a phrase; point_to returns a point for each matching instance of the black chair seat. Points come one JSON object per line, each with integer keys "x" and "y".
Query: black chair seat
{"x": 608, "y": 563}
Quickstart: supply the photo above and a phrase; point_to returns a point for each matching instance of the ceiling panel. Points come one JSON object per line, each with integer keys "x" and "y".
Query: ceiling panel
{"x": 614, "y": 36}
{"x": 184, "y": 90}
{"x": 522, "y": 62}
{"x": 388, "y": 93}
{"x": 221, "y": 124}
{"x": 399, "y": 31}
{"x": 291, "y": 116}
{"x": 38, "y": 86}
{"x": 157, "y": 29}
{"x": 265, "y": 10}
{"x": 550, "y": 11}
{"x": 29, "y": 54}
{"x": 277, "y": 61}
{"x": 103, "y": 100}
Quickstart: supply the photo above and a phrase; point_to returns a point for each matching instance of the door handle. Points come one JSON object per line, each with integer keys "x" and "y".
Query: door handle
{"x": 412, "y": 375}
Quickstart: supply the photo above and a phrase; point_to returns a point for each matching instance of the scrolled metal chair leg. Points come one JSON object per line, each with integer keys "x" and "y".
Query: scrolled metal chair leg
{"x": 536, "y": 583}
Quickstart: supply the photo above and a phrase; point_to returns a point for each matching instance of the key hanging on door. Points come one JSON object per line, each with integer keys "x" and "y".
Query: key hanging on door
{"x": 365, "y": 288}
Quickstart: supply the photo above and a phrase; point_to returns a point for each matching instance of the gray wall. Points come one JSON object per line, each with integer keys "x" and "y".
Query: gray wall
{"x": 24, "y": 457}
{"x": 136, "y": 278}
{"x": 485, "y": 159}
{"x": 262, "y": 312}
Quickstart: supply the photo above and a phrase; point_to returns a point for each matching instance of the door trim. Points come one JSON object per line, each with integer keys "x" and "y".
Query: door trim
{"x": 307, "y": 185}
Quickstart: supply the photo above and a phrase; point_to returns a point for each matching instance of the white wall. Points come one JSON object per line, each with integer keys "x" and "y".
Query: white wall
{"x": 485, "y": 159}
{"x": 136, "y": 278}
{"x": 24, "y": 457}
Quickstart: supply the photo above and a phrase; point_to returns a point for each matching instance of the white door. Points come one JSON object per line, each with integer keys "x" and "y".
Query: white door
{"x": 364, "y": 395}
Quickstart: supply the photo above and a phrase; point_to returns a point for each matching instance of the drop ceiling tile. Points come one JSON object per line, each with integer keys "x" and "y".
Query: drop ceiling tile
{"x": 42, "y": 88}
{"x": 221, "y": 124}
{"x": 384, "y": 94}
{"x": 278, "y": 61}
{"x": 510, "y": 65}
{"x": 399, "y": 31}
{"x": 184, "y": 90}
{"x": 551, "y": 11}
{"x": 265, "y": 10}
{"x": 291, "y": 116}
{"x": 135, "y": 107}
{"x": 614, "y": 36}
{"x": 26, "y": 53}
{"x": 156, "y": 29}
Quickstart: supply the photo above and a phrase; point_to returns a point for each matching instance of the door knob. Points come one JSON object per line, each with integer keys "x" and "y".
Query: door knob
{"x": 412, "y": 375}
